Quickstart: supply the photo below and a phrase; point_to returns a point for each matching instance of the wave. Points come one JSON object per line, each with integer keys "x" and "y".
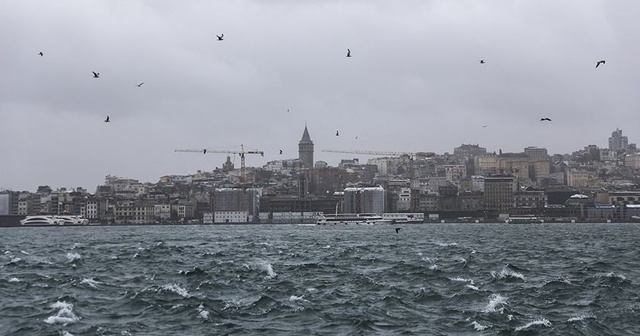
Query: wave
{"x": 90, "y": 282}
{"x": 580, "y": 318}
{"x": 441, "y": 244}
{"x": 543, "y": 322}
{"x": 14, "y": 279}
{"x": 73, "y": 257}
{"x": 264, "y": 267}
{"x": 507, "y": 273}
{"x": 176, "y": 289}
{"x": 479, "y": 327}
{"x": 495, "y": 300}
{"x": 203, "y": 313}
{"x": 65, "y": 314}
{"x": 460, "y": 279}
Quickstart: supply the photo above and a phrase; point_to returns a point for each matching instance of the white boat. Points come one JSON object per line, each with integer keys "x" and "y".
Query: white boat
{"x": 40, "y": 220}
{"x": 405, "y": 218}
{"x": 367, "y": 219}
{"x": 54, "y": 220}
{"x": 72, "y": 220}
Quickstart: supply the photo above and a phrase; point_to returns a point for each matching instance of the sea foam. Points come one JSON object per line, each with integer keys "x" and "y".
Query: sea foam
{"x": 495, "y": 300}
{"x": 479, "y": 327}
{"x": 203, "y": 313}
{"x": 505, "y": 273}
{"x": 542, "y": 321}
{"x": 73, "y": 257}
{"x": 89, "y": 282}
{"x": 176, "y": 289}
{"x": 65, "y": 314}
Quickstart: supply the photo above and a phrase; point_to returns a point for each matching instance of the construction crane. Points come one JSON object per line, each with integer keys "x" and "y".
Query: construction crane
{"x": 241, "y": 152}
{"x": 411, "y": 156}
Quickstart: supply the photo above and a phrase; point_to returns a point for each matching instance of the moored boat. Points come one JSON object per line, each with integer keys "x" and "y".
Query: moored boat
{"x": 368, "y": 219}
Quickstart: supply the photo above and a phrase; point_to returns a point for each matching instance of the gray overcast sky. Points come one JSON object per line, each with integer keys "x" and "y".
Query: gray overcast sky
{"x": 414, "y": 82}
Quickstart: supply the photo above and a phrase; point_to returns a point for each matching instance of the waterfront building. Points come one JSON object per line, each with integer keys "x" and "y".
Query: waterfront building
{"x": 364, "y": 200}
{"x": 498, "y": 193}
{"x": 305, "y": 149}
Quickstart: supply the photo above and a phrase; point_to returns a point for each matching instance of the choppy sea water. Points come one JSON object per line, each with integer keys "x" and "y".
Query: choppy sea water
{"x": 475, "y": 279}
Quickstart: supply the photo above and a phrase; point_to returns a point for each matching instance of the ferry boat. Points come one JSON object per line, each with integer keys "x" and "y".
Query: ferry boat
{"x": 367, "y": 219}
{"x": 43, "y": 220}
{"x": 523, "y": 220}
{"x": 405, "y": 218}
{"x": 40, "y": 220}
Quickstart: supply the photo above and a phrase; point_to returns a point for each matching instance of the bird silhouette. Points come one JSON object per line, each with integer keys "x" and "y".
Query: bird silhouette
{"x": 281, "y": 151}
{"x": 139, "y": 85}
{"x": 482, "y": 61}
{"x": 220, "y": 37}
{"x": 337, "y": 133}
{"x": 107, "y": 120}
{"x": 96, "y": 74}
{"x": 398, "y": 230}
{"x": 599, "y": 62}
{"x": 204, "y": 151}
{"x": 41, "y": 54}
{"x": 545, "y": 119}
{"x": 348, "y": 52}
{"x": 484, "y": 126}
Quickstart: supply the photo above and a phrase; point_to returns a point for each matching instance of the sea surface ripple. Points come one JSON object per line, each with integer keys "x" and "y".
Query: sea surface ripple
{"x": 432, "y": 279}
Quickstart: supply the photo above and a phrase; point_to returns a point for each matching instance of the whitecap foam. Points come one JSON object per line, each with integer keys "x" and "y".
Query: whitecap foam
{"x": 509, "y": 317}
{"x": 264, "y": 267}
{"x": 479, "y": 327}
{"x": 114, "y": 258}
{"x": 15, "y": 260}
{"x": 204, "y": 314}
{"x": 461, "y": 279}
{"x": 25, "y": 252}
{"x": 433, "y": 267}
{"x": 65, "y": 314}
{"x": 441, "y": 244}
{"x": 66, "y": 333}
{"x": 506, "y": 272}
{"x": 7, "y": 252}
{"x": 73, "y": 257}
{"x": 580, "y": 318}
{"x": 495, "y": 300}
{"x": 176, "y": 289}
{"x": 328, "y": 246}
{"x": 89, "y": 282}
{"x": 542, "y": 321}
{"x": 14, "y": 279}
{"x": 614, "y": 275}
{"x": 472, "y": 287}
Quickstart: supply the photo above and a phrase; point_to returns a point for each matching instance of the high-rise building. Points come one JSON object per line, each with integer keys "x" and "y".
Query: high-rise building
{"x": 364, "y": 200}
{"x": 617, "y": 141}
{"x": 498, "y": 192}
{"x": 305, "y": 150}
{"x": 536, "y": 153}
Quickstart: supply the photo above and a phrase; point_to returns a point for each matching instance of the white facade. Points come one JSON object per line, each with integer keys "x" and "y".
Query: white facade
{"x": 221, "y": 217}
{"x": 404, "y": 200}
{"x": 477, "y": 183}
{"x": 632, "y": 160}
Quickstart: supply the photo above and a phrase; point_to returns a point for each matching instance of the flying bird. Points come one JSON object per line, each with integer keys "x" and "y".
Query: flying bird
{"x": 481, "y": 61}
{"x": 41, "y": 54}
{"x": 96, "y": 74}
{"x": 545, "y": 119}
{"x": 220, "y": 37}
{"x": 348, "y": 52}
{"x": 139, "y": 85}
{"x": 599, "y": 62}
{"x": 281, "y": 151}
{"x": 398, "y": 230}
{"x": 337, "y": 133}
{"x": 107, "y": 120}
{"x": 204, "y": 151}
{"x": 484, "y": 126}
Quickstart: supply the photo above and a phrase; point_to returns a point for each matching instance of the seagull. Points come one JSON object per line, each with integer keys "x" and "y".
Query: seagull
{"x": 220, "y": 37}
{"x": 41, "y": 54}
{"x": 337, "y": 133}
{"x": 599, "y": 62}
{"x": 96, "y": 74}
{"x": 484, "y": 126}
{"x": 139, "y": 85}
{"x": 107, "y": 120}
{"x": 348, "y": 52}
{"x": 204, "y": 151}
{"x": 481, "y": 61}
{"x": 545, "y": 119}
{"x": 398, "y": 230}
{"x": 281, "y": 151}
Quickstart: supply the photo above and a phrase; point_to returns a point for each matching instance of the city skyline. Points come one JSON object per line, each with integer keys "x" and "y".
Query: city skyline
{"x": 414, "y": 81}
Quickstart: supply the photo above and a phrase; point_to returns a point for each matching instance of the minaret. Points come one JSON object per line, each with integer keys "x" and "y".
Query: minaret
{"x": 305, "y": 150}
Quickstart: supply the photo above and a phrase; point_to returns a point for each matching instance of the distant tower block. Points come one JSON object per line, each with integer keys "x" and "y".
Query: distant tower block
{"x": 305, "y": 150}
